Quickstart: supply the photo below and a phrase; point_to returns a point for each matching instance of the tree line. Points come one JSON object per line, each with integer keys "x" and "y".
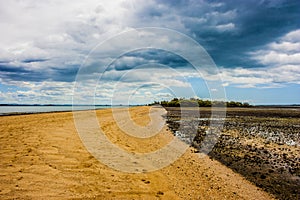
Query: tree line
{"x": 192, "y": 102}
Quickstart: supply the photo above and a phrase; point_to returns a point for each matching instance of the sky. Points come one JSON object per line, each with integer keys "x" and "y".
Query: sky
{"x": 103, "y": 52}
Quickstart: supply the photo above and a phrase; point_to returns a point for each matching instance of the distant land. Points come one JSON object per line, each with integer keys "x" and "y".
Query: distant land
{"x": 156, "y": 102}
{"x": 14, "y": 104}
{"x": 177, "y": 102}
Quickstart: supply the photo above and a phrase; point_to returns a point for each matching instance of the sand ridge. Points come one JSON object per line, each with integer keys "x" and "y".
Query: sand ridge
{"x": 42, "y": 157}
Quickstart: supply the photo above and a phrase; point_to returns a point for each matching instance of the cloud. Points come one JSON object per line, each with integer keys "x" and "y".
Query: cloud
{"x": 272, "y": 77}
{"x": 281, "y": 65}
{"x": 148, "y": 58}
{"x": 282, "y": 52}
{"x": 250, "y": 29}
{"x": 43, "y": 47}
{"x": 225, "y": 27}
{"x": 38, "y": 92}
{"x": 282, "y": 58}
{"x": 61, "y": 33}
{"x": 293, "y": 36}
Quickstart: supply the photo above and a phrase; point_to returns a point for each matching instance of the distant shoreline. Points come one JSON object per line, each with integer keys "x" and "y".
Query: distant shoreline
{"x": 64, "y": 105}
{"x": 46, "y": 112}
{"x": 123, "y": 106}
{"x": 2, "y": 114}
{"x": 277, "y": 106}
{"x": 109, "y": 105}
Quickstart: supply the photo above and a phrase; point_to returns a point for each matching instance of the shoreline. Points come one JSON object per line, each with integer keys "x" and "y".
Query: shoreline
{"x": 60, "y": 111}
{"x": 166, "y": 108}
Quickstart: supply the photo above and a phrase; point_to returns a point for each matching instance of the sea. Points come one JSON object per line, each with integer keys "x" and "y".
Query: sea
{"x": 16, "y": 109}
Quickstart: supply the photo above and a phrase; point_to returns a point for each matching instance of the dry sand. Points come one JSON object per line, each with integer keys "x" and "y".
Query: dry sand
{"x": 42, "y": 157}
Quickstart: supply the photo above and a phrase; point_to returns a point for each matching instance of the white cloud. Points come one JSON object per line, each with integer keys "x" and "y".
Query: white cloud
{"x": 271, "y": 77}
{"x": 279, "y": 57}
{"x": 38, "y": 92}
{"x": 285, "y": 46}
{"x": 55, "y": 29}
{"x": 221, "y": 16}
{"x": 293, "y": 36}
{"x": 225, "y": 27}
{"x": 285, "y": 51}
{"x": 282, "y": 65}
{"x": 225, "y": 84}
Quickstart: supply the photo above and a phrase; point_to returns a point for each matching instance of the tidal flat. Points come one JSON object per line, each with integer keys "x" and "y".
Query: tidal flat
{"x": 260, "y": 143}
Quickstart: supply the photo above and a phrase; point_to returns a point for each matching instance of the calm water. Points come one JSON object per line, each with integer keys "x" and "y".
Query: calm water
{"x": 6, "y": 110}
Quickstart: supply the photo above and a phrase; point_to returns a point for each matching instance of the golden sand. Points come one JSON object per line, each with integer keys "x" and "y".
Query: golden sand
{"x": 42, "y": 157}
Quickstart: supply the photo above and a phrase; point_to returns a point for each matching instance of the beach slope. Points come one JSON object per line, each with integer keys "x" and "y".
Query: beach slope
{"x": 43, "y": 157}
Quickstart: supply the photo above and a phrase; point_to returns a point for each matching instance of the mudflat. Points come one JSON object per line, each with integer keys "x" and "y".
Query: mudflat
{"x": 43, "y": 157}
{"x": 260, "y": 143}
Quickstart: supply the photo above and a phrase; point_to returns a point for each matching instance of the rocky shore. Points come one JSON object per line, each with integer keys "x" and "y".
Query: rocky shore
{"x": 262, "y": 144}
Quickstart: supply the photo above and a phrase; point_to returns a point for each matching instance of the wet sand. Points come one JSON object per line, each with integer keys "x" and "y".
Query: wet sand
{"x": 42, "y": 157}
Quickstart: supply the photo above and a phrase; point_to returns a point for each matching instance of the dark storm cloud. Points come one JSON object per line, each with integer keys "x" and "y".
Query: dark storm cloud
{"x": 145, "y": 59}
{"x": 8, "y": 68}
{"x": 257, "y": 25}
{"x": 23, "y": 76}
{"x": 230, "y": 29}
{"x": 65, "y": 75}
{"x": 12, "y": 72}
{"x": 34, "y": 60}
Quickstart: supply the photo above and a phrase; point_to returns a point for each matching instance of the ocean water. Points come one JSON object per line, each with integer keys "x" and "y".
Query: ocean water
{"x": 7, "y": 110}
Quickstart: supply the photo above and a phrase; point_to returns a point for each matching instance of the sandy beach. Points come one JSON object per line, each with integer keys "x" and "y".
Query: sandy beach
{"x": 43, "y": 157}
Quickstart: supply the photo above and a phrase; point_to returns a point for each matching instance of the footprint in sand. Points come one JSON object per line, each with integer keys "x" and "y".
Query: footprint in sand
{"x": 145, "y": 181}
